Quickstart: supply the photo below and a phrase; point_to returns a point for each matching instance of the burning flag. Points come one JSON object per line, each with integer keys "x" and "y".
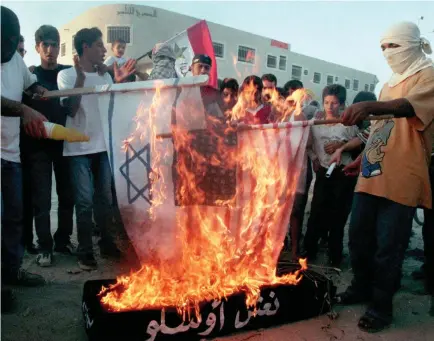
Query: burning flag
{"x": 194, "y": 246}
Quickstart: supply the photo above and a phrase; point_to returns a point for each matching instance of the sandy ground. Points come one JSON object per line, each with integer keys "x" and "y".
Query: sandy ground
{"x": 53, "y": 312}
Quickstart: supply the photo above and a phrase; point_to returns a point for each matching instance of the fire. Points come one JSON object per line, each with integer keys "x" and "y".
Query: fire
{"x": 221, "y": 250}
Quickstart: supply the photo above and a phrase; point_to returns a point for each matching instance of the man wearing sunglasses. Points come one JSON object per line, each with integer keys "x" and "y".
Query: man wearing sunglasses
{"x": 40, "y": 157}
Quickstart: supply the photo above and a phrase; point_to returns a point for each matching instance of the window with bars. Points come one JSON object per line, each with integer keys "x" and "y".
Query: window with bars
{"x": 296, "y": 72}
{"x": 282, "y": 63}
{"x": 219, "y": 49}
{"x": 371, "y": 87}
{"x": 118, "y": 32}
{"x": 366, "y": 87}
{"x": 271, "y": 61}
{"x": 347, "y": 84}
{"x": 62, "y": 49}
{"x": 336, "y": 79}
{"x": 306, "y": 72}
{"x": 317, "y": 77}
{"x": 356, "y": 85}
{"x": 329, "y": 80}
{"x": 246, "y": 54}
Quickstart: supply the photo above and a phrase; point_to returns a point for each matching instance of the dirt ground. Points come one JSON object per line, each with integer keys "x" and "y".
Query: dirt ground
{"x": 53, "y": 312}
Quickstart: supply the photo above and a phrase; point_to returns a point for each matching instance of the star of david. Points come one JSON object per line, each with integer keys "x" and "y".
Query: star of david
{"x": 143, "y": 156}
{"x": 179, "y": 51}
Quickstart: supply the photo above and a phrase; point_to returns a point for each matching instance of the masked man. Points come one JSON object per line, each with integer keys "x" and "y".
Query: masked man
{"x": 394, "y": 176}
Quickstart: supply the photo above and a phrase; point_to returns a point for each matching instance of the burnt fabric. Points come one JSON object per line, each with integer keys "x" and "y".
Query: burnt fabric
{"x": 212, "y": 174}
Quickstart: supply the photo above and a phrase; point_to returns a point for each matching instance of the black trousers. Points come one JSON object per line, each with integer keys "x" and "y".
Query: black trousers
{"x": 428, "y": 237}
{"x": 38, "y": 168}
{"x": 379, "y": 234}
{"x": 331, "y": 205}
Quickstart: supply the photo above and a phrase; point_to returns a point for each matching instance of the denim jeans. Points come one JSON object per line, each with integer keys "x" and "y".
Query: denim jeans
{"x": 92, "y": 187}
{"x": 379, "y": 234}
{"x": 12, "y": 216}
{"x": 39, "y": 166}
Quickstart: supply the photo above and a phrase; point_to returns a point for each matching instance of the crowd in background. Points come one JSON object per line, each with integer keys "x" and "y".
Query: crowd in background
{"x": 381, "y": 213}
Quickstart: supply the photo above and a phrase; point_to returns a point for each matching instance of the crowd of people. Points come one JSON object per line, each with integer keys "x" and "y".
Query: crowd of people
{"x": 383, "y": 171}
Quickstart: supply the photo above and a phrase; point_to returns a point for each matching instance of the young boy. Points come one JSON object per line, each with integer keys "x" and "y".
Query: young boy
{"x": 40, "y": 157}
{"x": 229, "y": 94}
{"x": 90, "y": 169}
{"x": 253, "y": 110}
{"x": 118, "y": 48}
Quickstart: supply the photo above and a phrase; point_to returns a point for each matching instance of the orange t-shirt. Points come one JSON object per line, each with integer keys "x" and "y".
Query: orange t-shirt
{"x": 397, "y": 155}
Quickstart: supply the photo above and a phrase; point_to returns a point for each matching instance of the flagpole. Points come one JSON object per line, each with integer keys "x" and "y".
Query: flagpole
{"x": 282, "y": 125}
{"x": 133, "y": 86}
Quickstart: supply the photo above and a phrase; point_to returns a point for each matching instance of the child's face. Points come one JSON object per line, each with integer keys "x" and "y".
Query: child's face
{"x": 119, "y": 49}
{"x": 229, "y": 97}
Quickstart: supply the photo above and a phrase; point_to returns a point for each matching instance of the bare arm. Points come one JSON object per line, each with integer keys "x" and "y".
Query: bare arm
{"x": 355, "y": 113}
{"x": 350, "y": 145}
{"x": 33, "y": 121}
{"x": 73, "y": 103}
{"x": 400, "y": 107}
{"x": 11, "y": 108}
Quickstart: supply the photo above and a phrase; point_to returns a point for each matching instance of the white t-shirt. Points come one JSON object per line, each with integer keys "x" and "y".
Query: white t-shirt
{"x": 323, "y": 134}
{"x": 112, "y": 59}
{"x": 16, "y": 78}
{"x": 88, "y": 119}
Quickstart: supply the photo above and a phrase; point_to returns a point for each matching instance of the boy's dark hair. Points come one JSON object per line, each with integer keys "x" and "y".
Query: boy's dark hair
{"x": 364, "y": 96}
{"x": 86, "y": 36}
{"x": 293, "y": 84}
{"x": 335, "y": 90}
{"x": 229, "y": 83}
{"x": 10, "y": 25}
{"x": 219, "y": 83}
{"x": 46, "y": 32}
{"x": 314, "y": 103}
{"x": 21, "y": 40}
{"x": 118, "y": 41}
{"x": 269, "y": 77}
{"x": 281, "y": 91}
{"x": 257, "y": 82}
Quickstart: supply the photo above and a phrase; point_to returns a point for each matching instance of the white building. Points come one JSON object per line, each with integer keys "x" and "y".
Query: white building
{"x": 238, "y": 53}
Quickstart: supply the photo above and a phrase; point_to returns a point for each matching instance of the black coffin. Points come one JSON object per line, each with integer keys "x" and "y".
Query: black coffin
{"x": 277, "y": 305}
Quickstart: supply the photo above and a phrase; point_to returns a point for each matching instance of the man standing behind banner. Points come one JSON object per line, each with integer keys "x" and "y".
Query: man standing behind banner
{"x": 201, "y": 65}
{"x": 41, "y": 157}
{"x": 394, "y": 174}
{"x": 90, "y": 169}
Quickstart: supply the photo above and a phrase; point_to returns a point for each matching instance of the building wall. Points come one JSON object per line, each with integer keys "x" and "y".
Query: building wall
{"x": 150, "y": 25}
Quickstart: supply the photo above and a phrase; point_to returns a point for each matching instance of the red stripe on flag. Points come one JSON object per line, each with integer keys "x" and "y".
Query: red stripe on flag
{"x": 201, "y": 42}
{"x": 240, "y": 193}
{"x": 287, "y": 207}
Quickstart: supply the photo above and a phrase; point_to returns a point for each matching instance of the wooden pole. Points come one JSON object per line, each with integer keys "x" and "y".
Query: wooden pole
{"x": 284, "y": 125}
{"x": 185, "y": 82}
{"x": 149, "y": 53}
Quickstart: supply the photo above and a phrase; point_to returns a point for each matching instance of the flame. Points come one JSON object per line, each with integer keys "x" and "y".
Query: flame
{"x": 233, "y": 249}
